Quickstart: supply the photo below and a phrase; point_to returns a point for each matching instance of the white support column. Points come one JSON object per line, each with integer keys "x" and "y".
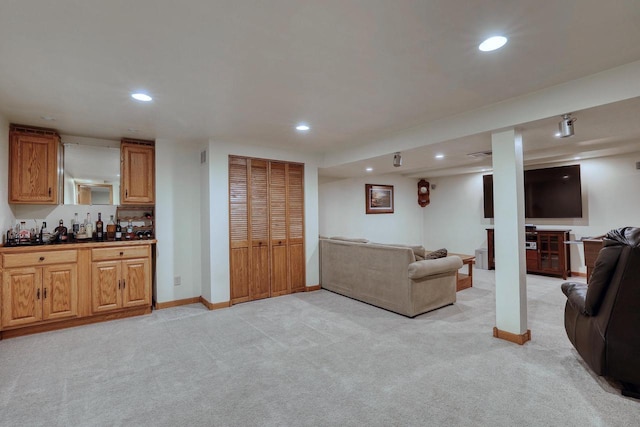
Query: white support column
{"x": 510, "y": 261}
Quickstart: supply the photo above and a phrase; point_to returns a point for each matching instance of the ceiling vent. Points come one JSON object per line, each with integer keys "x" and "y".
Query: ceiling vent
{"x": 480, "y": 155}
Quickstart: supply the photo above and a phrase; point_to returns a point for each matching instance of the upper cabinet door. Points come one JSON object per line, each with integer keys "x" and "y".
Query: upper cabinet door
{"x": 33, "y": 166}
{"x": 137, "y": 171}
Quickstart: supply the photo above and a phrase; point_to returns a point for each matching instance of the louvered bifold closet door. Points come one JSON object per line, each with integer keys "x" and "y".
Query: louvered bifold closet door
{"x": 295, "y": 208}
{"x": 238, "y": 229}
{"x": 259, "y": 227}
{"x": 278, "y": 228}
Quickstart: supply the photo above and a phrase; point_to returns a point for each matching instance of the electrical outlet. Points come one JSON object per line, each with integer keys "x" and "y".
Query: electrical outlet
{"x": 177, "y": 281}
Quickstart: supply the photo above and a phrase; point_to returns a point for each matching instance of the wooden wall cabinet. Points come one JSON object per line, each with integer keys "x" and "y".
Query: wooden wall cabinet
{"x": 550, "y": 257}
{"x": 39, "y": 286}
{"x": 120, "y": 278}
{"x": 34, "y": 159}
{"x": 137, "y": 172}
{"x": 266, "y": 221}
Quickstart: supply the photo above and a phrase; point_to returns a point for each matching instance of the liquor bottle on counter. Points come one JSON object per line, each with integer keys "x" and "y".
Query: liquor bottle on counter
{"x": 118, "y": 230}
{"x": 99, "y": 228}
{"x": 111, "y": 229}
{"x": 76, "y": 225}
{"x": 44, "y": 233}
{"x": 61, "y": 232}
{"x": 88, "y": 227}
{"x": 130, "y": 234}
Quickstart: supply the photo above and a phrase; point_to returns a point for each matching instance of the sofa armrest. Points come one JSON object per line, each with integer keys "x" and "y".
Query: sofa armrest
{"x": 576, "y": 295}
{"x": 432, "y": 267}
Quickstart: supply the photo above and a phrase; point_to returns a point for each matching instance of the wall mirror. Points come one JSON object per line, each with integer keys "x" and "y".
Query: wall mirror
{"x": 91, "y": 171}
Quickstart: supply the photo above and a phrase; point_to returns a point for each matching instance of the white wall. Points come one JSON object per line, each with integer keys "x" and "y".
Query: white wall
{"x": 178, "y": 220}
{"x": 342, "y": 211}
{"x": 52, "y": 214}
{"x": 454, "y": 219}
{"x": 219, "y": 210}
{"x": 7, "y": 218}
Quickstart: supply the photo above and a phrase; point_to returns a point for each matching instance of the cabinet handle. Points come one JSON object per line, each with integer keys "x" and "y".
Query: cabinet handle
{"x": 44, "y": 291}
{"x": 38, "y": 294}
{"x": 121, "y": 253}
{"x": 124, "y": 283}
{"x": 41, "y": 258}
{"x": 126, "y": 193}
{"x": 118, "y": 284}
{"x": 49, "y": 191}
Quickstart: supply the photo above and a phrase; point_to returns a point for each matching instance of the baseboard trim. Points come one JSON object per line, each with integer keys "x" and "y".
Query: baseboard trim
{"x": 62, "y": 324}
{"x": 176, "y": 303}
{"x": 313, "y": 288}
{"x": 214, "y": 306}
{"x": 515, "y": 338}
{"x": 578, "y": 274}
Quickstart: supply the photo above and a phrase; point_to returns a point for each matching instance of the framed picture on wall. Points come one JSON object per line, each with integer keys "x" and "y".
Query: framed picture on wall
{"x": 379, "y": 198}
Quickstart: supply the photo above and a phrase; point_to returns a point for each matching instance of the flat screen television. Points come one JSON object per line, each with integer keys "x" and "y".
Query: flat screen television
{"x": 548, "y": 193}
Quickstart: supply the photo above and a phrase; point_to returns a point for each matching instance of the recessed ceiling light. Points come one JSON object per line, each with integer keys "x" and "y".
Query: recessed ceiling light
{"x": 132, "y": 130}
{"x": 492, "y": 43}
{"x": 141, "y": 97}
{"x": 577, "y": 158}
{"x": 369, "y": 169}
{"x": 302, "y": 127}
{"x": 439, "y": 156}
{"x": 48, "y": 118}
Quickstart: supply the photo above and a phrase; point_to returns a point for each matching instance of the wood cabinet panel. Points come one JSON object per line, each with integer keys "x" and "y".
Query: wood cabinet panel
{"x": 21, "y": 296}
{"x": 297, "y": 267}
{"x": 279, "y": 271}
{"x": 136, "y": 283}
{"x": 239, "y": 268}
{"x": 277, "y": 202}
{"x": 137, "y": 172}
{"x": 33, "y": 165}
{"x": 260, "y": 283}
{"x": 60, "y": 294}
{"x": 39, "y": 258}
{"x": 105, "y": 293}
{"x": 532, "y": 259}
{"x": 107, "y": 254}
{"x": 239, "y": 229}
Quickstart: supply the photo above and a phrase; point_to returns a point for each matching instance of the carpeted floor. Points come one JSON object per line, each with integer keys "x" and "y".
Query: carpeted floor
{"x": 311, "y": 359}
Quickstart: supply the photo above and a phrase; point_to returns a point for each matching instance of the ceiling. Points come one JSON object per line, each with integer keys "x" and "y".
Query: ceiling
{"x": 248, "y": 71}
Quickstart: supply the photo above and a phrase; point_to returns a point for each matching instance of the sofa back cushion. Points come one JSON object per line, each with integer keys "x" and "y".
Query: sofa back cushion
{"x": 438, "y": 253}
{"x": 601, "y": 277}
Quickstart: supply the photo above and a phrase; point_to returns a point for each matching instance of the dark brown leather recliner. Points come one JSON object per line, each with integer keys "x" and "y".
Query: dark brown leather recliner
{"x": 602, "y": 319}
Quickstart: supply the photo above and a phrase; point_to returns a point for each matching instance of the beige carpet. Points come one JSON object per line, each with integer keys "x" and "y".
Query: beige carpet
{"x": 313, "y": 359}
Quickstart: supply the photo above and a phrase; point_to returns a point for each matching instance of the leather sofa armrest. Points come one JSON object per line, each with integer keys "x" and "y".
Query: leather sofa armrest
{"x": 430, "y": 267}
{"x": 576, "y": 295}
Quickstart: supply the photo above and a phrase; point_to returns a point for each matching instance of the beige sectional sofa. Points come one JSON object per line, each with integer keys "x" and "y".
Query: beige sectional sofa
{"x": 387, "y": 276}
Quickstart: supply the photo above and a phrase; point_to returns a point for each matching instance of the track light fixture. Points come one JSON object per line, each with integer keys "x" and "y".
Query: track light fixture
{"x": 566, "y": 126}
{"x": 397, "y": 159}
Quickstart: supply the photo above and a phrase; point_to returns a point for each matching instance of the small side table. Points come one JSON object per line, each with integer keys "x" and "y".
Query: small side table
{"x": 465, "y": 281}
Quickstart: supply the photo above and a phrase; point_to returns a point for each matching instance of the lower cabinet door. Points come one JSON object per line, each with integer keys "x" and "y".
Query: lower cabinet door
{"x": 60, "y": 291}
{"x": 136, "y": 283}
{"x": 106, "y": 286}
{"x": 21, "y": 296}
